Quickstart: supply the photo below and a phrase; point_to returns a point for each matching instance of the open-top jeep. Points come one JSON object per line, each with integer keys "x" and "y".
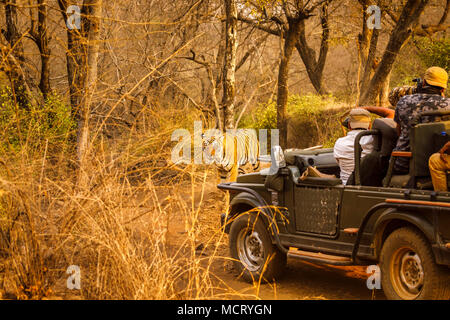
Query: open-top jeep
{"x": 403, "y": 226}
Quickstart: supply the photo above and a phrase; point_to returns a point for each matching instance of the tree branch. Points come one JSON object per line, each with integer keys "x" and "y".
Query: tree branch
{"x": 250, "y": 52}
{"x": 258, "y": 25}
{"x": 213, "y": 93}
{"x": 429, "y": 30}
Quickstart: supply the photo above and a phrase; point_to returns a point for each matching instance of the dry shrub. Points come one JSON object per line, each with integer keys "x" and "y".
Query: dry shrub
{"x": 117, "y": 229}
{"x": 24, "y": 266}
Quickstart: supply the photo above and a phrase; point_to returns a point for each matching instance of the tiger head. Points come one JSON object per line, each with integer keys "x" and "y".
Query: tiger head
{"x": 211, "y": 147}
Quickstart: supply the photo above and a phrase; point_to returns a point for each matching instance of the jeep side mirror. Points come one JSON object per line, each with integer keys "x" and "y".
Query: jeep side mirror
{"x": 278, "y": 160}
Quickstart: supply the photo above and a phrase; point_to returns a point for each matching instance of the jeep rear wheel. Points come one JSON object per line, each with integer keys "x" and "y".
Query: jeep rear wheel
{"x": 254, "y": 255}
{"x": 408, "y": 269}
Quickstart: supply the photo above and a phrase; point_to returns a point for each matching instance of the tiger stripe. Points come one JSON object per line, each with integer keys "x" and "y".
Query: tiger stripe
{"x": 232, "y": 151}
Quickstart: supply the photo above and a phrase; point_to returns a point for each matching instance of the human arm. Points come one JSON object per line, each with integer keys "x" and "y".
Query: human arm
{"x": 381, "y": 111}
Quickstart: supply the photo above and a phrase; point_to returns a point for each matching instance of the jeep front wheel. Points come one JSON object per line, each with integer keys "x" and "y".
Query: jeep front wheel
{"x": 408, "y": 269}
{"x": 254, "y": 255}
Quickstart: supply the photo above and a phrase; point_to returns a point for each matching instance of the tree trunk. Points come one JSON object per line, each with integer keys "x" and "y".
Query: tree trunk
{"x": 363, "y": 48}
{"x": 12, "y": 35}
{"x": 283, "y": 76}
{"x": 40, "y": 37}
{"x": 383, "y": 99}
{"x": 367, "y": 49}
{"x": 370, "y": 59}
{"x": 314, "y": 68}
{"x": 229, "y": 68}
{"x": 94, "y": 10}
{"x": 82, "y": 59}
{"x": 399, "y": 36}
{"x": 75, "y": 62}
{"x": 214, "y": 83}
{"x": 44, "y": 49}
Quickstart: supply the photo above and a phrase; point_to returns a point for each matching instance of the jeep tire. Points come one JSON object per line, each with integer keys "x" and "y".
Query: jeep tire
{"x": 254, "y": 256}
{"x": 409, "y": 270}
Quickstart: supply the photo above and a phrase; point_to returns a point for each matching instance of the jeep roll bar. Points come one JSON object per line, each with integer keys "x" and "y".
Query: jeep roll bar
{"x": 358, "y": 151}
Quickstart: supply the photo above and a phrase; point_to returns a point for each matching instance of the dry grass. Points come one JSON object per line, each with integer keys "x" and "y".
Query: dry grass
{"x": 141, "y": 229}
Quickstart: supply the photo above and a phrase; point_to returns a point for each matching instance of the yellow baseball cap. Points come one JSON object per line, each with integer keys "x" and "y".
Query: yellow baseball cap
{"x": 436, "y": 76}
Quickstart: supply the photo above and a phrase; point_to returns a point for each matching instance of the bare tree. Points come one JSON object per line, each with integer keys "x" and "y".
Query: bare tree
{"x": 221, "y": 68}
{"x": 288, "y": 19}
{"x": 315, "y": 66}
{"x": 375, "y": 91}
{"x": 39, "y": 34}
{"x": 82, "y": 61}
{"x": 74, "y": 56}
{"x": 313, "y": 61}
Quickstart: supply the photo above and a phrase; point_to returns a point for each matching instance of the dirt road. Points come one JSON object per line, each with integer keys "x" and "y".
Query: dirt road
{"x": 305, "y": 281}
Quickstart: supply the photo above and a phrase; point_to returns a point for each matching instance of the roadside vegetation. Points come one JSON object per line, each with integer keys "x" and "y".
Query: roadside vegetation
{"x": 117, "y": 229}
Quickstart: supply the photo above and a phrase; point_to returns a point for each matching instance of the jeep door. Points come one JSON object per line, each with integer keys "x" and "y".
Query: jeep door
{"x": 317, "y": 208}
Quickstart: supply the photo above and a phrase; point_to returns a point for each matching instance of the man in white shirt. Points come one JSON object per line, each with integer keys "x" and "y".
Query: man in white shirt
{"x": 344, "y": 149}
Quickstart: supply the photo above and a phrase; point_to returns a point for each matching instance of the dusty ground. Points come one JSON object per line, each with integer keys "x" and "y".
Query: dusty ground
{"x": 303, "y": 280}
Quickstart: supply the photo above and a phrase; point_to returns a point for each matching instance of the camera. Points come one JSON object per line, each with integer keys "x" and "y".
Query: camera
{"x": 346, "y": 123}
{"x": 419, "y": 83}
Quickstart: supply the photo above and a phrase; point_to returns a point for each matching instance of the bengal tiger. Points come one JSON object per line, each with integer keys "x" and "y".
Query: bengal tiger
{"x": 235, "y": 152}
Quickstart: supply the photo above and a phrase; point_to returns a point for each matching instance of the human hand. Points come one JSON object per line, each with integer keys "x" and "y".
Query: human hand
{"x": 445, "y": 150}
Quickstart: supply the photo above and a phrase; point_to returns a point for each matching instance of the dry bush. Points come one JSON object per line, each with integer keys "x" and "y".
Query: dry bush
{"x": 117, "y": 229}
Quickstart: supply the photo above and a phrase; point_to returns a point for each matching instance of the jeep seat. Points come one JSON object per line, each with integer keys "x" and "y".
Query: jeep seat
{"x": 387, "y": 140}
{"x": 425, "y": 140}
{"x": 371, "y": 169}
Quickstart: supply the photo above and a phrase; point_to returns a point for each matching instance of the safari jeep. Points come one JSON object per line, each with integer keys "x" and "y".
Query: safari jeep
{"x": 403, "y": 226}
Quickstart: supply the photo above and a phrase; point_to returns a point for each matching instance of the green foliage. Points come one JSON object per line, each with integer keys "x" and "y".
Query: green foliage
{"x": 263, "y": 117}
{"x": 313, "y": 120}
{"x": 418, "y": 56}
{"x": 407, "y": 67}
{"x": 434, "y": 52}
{"x": 31, "y": 127}
{"x": 299, "y": 107}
